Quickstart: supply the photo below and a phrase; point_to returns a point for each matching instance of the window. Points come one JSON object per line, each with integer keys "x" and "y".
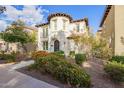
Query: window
{"x": 45, "y": 45}
{"x": 64, "y": 24}
{"x": 78, "y": 27}
{"x": 45, "y": 32}
{"x": 55, "y": 24}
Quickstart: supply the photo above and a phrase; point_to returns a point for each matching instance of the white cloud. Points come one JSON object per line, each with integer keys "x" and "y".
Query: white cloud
{"x": 3, "y": 25}
{"x": 31, "y": 15}
{"x": 12, "y": 13}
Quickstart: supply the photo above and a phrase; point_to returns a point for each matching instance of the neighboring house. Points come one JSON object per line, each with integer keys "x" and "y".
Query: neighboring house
{"x": 16, "y": 47}
{"x": 32, "y": 31}
{"x": 2, "y": 45}
{"x": 112, "y": 25}
{"x": 52, "y": 36}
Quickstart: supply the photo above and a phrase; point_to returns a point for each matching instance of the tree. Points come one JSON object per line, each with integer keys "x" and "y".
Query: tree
{"x": 83, "y": 41}
{"x": 16, "y": 33}
{"x": 101, "y": 49}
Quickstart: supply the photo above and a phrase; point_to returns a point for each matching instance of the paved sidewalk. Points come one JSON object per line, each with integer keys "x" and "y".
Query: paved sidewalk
{"x": 10, "y": 78}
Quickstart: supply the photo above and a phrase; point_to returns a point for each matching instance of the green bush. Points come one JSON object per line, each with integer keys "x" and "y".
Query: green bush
{"x": 119, "y": 59}
{"x": 8, "y": 57}
{"x": 80, "y": 58}
{"x": 115, "y": 71}
{"x": 59, "y": 53}
{"x": 72, "y": 53}
{"x": 63, "y": 71}
{"x": 74, "y": 75}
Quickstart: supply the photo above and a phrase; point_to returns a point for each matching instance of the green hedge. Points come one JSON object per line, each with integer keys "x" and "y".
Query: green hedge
{"x": 75, "y": 76}
{"x": 63, "y": 71}
{"x": 59, "y": 53}
{"x": 119, "y": 59}
{"x": 8, "y": 57}
{"x": 80, "y": 58}
{"x": 115, "y": 71}
{"x": 72, "y": 53}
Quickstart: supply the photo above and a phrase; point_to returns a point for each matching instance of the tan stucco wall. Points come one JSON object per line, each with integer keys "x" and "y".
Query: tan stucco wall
{"x": 108, "y": 27}
{"x": 119, "y": 29}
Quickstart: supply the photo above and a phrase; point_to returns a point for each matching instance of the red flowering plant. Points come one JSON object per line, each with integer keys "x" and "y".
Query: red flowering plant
{"x": 38, "y": 54}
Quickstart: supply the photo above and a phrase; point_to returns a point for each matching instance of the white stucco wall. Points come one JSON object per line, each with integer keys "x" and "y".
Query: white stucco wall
{"x": 82, "y": 26}
{"x": 2, "y": 45}
{"x": 59, "y": 34}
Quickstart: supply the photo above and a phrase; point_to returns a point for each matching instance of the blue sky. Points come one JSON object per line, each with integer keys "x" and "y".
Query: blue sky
{"x": 38, "y": 14}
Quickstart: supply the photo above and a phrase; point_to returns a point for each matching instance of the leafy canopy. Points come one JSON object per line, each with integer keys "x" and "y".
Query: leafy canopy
{"x": 16, "y": 33}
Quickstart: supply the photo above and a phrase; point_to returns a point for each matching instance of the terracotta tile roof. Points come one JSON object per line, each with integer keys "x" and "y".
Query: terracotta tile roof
{"x": 59, "y": 14}
{"x": 43, "y": 24}
{"x": 65, "y": 15}
{"x": 84, "y": 19}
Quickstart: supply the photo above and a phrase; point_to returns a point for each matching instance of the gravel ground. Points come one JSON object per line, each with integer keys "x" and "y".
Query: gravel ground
{"x": 99, "y": 78}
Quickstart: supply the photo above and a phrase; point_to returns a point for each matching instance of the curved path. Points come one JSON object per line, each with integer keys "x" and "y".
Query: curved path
{"x": 99, "y": 79}
{"x": 10, "y": 78}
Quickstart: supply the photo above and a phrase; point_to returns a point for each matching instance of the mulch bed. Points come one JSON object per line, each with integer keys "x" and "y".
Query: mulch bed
{"x": 44, "y": 77}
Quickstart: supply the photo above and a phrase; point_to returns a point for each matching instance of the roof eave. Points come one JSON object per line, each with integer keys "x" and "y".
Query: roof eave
{"x": 108, "y": 7}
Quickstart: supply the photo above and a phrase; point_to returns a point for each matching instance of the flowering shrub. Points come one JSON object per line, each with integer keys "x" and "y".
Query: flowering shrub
{"x": 62, "y": 70}
{"x": 72, "y": 74}
{"x": 37, "y": 54}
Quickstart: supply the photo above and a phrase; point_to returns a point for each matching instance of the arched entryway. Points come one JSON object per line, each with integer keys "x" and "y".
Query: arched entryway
{"x": 56, "y": 45}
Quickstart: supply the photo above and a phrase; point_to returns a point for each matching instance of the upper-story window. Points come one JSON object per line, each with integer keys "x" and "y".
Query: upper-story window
{"x": 64, "y": 24}
{"x": 45, "y": 32}
{"x": 55, "y": 24}
{"x": 77, "y": 27}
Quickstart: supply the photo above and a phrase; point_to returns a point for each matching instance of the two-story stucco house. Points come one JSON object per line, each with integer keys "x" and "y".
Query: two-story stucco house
{"x": 112, "y": 26}
{"x": 52, "y": 36}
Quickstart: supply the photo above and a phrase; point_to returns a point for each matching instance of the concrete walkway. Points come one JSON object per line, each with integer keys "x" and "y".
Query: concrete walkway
{"x": 10, "y": 78}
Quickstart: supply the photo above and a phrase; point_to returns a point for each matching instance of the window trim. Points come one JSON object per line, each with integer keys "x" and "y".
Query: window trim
{"x": 45, "y": 45}
{"x": 55, "y": 24}
{"x": 64, "y": 24}
{"x": 78, "y": 27}
{"x": 45, "y": 32}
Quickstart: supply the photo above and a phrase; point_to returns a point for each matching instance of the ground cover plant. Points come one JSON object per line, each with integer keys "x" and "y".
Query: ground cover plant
{"x": 115, "y": 70}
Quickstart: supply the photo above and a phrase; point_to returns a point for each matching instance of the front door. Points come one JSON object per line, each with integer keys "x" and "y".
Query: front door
{"x": 56, "y": 45}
